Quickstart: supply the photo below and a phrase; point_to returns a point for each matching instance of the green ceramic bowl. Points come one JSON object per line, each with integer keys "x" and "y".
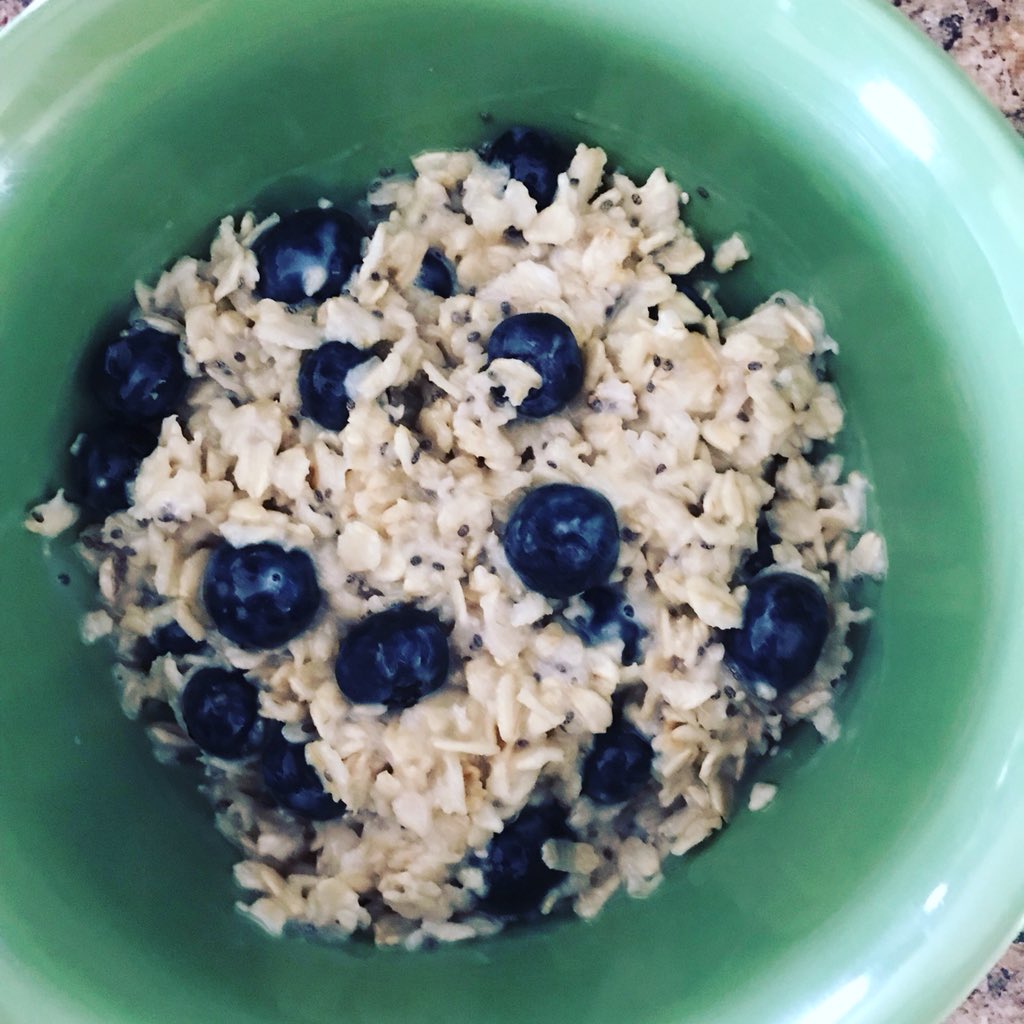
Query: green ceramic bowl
{"x": 866, "y": 174}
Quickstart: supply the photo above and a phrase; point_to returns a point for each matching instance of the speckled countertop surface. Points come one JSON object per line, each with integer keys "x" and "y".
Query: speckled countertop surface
{"x": 986, "y": 37}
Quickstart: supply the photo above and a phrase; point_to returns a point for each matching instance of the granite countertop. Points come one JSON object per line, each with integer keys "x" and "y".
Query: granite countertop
{"x": 986, "y": 37}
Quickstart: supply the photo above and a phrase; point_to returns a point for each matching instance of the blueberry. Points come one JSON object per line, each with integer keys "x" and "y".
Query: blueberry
{"x": 562, "y": 539}
{"x": 220, "y": 708}
{"x": 617, "y": 765}
{"x": 515, "y": 875}
{"x": 322, "y": 374}
{"x": 260, "y": 596}
{"x": 293, "y": 781}
{"x": 104, "y": 465}
{"x": 169, "y": 638}
{"x": 172, "y": 639}
{"x": 785, "y": 623}
{"x": 394, "y": 657}
{"x": 549, "y": 346}
{"x": 140, "y": 375}
{"x": 533, "y": 157}
{"x": 686, "y": 287}
{"x": 763, "y": 556}
{"x": 307, "y": 255}
{"x": 608, "y": 617}
{"x": 436, "y": 274}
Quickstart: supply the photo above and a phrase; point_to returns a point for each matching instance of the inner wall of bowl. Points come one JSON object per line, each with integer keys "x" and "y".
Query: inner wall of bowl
{"x": 117, "y": 889}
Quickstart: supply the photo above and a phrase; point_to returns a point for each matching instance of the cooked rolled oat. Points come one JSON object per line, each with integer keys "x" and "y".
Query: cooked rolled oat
{"x": 696, "y": 430}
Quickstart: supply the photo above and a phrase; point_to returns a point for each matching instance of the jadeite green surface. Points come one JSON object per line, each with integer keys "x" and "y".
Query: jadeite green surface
{"x": 866, "y": 175}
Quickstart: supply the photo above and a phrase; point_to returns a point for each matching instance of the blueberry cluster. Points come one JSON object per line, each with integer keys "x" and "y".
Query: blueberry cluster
{"x": 139, "y": 378}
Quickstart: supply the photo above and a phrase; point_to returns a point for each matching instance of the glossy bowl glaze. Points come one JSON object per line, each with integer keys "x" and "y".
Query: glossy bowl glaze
{"x": 865, "y": 173}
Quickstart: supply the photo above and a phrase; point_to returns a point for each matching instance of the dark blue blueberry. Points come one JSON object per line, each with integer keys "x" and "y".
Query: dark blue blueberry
{"x": 785, "y": 624}
{"x": 308, "y": 255}
{"x": 533, "y": 157}
{"x": 103, "y": 465}
{"x": 322, "y": 374}
{"x": 617, "y": 765}
{"x": 293, "y": 781}
{"x": 562, "y": 539}
{"x": 436, "y": 274}
{"x": 140, "y": 375}
{"x": 169, "y": 638}
{"x": 608, "y": 617}
{"x": 549, "y": 346}
{"x": 221, "y": 711}
{"x": 172, "y": 639}
{"x": 515, "y": 875}
{"x": 260, "y": 595}
{"x": 763, "y": 557}
{"x": 394, "y": 657}
{"x": 686, "y": 287}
